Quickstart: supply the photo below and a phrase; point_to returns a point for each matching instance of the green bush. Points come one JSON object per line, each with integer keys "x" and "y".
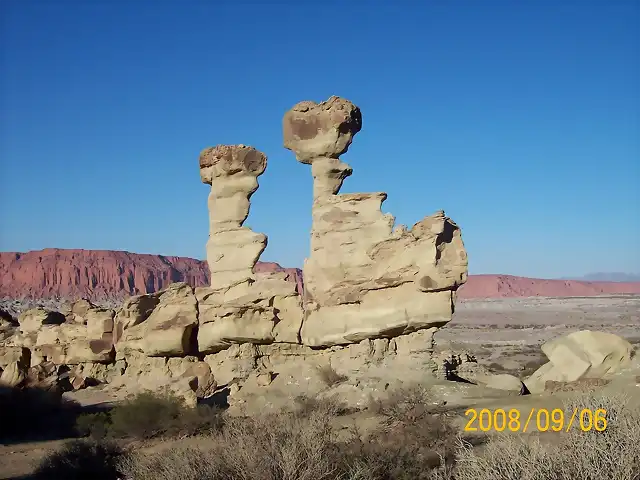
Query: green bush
{"x": 94, "y": 425}
{"x": 150, "y": 415}
{"x": 81, "y": 460}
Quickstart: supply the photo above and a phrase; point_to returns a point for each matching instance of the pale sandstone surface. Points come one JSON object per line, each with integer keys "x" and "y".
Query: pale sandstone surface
{"x": 365, "y": 277}
{"x": 582, "y": 354}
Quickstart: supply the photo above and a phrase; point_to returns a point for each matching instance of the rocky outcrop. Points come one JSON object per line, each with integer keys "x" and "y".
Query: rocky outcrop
{"x": 365, "y": 277}
{"x": 162, "y": 324}
{"x": 581, "y": 355}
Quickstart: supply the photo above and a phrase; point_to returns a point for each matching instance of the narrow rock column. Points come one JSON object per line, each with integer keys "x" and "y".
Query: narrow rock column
{"x": 232, "y": 250}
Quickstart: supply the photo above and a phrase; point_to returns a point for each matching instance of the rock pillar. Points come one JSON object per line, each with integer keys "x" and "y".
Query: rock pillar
{"x": 232, "y": 250}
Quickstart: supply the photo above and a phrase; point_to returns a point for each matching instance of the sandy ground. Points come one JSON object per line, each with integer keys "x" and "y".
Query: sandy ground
{"x": 503, "y": 333}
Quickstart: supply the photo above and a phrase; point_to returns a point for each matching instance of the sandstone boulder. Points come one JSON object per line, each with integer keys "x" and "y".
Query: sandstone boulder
{"x": 582, "y": 354}
{"x": 33, "y": 319}
{"x": 78, "y": 310}
{"x": 265, "y": 311}
{"x": 504, "y": 381}
{"x": 13, "y": 375}
{"x": 323, "y": 130}
{"x": 11, "y": 354}
{"x": 168, "y": 330}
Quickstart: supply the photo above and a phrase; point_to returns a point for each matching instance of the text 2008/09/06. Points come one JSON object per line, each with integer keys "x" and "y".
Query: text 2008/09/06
{"x": 541, "y": 420}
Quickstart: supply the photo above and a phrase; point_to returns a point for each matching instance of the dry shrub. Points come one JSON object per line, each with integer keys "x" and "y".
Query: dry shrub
{"x": 272, "y": 447}
{"x": 329, "y": 376}
{"x": 307, "y": 406}
{"x": 81, "y": 460}
{"x": 35, "y": 414}
{"x": 410, "y": 450}
{"x": 416, "y": 438}
{"x": 405, "y": 404}
{"x": 609, "y": 455}
{"x": 304, "y": 447}
{"x": 150, "y": 415}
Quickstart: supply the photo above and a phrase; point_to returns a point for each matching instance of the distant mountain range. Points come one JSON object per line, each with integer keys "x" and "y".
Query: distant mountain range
{"x": 114, "y": 275}
{"x": 607, "y": 277}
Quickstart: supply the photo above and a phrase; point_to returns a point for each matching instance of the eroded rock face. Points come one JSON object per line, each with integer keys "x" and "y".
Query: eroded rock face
{"x": 232, "y": 250}
{"x": 159, "y": 324}
{"x": 366, "y": 278}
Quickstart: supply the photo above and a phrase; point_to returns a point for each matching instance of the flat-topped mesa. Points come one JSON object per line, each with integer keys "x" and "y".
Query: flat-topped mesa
{"x": 364, "y": 278}
{"x": 318, "y": 133}
{"x": 232, "y": 250}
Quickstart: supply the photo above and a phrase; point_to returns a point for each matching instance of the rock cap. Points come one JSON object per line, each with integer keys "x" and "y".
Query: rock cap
{"x": 321, "y": 130}
{"x": 228, "y": 160}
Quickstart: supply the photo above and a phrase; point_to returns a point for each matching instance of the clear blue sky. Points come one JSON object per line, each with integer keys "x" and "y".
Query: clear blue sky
{"x": 519, "y": 119}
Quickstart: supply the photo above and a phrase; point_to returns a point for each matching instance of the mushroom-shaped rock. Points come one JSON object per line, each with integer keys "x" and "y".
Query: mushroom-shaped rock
{"x": 229, "y": 160}
{"x": 321, "y": 130}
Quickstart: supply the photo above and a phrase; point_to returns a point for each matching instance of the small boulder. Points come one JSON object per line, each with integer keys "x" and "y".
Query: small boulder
{"x": 13, "y": 375}
{"x": 33, "y": 319}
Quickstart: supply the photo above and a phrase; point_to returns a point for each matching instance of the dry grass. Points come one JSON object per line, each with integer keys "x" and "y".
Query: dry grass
{"x": 609, "y": 455}
{"x": 329, "y": 376}
{"x": 272, "y": 447}
{"x": 304, "y": 446}
{"x": 413, "y": 444}
{"x": 81, "y": 460}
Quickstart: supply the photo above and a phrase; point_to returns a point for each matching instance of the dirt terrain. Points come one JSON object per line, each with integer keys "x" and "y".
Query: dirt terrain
{"x": 509, "y": 331}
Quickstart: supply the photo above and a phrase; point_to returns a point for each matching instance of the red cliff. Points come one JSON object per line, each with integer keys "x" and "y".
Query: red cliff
{"x": 113, "y": 275}
{"x": 102, "y": 274}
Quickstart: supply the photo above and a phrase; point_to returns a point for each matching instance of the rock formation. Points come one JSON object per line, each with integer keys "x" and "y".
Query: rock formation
{"x": 373, "y": 298}
{"x": 232, "y": 250}
{"x": 366, "y": 278}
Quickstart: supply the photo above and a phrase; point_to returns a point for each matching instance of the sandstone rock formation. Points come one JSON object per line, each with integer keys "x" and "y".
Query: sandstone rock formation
{"x": 232, "y": 250}
{"x": 366, "y": 278}
{"x": 240, "y": 306}
{"x": 374, "y": 294}
{"x": 581, "y": 355}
